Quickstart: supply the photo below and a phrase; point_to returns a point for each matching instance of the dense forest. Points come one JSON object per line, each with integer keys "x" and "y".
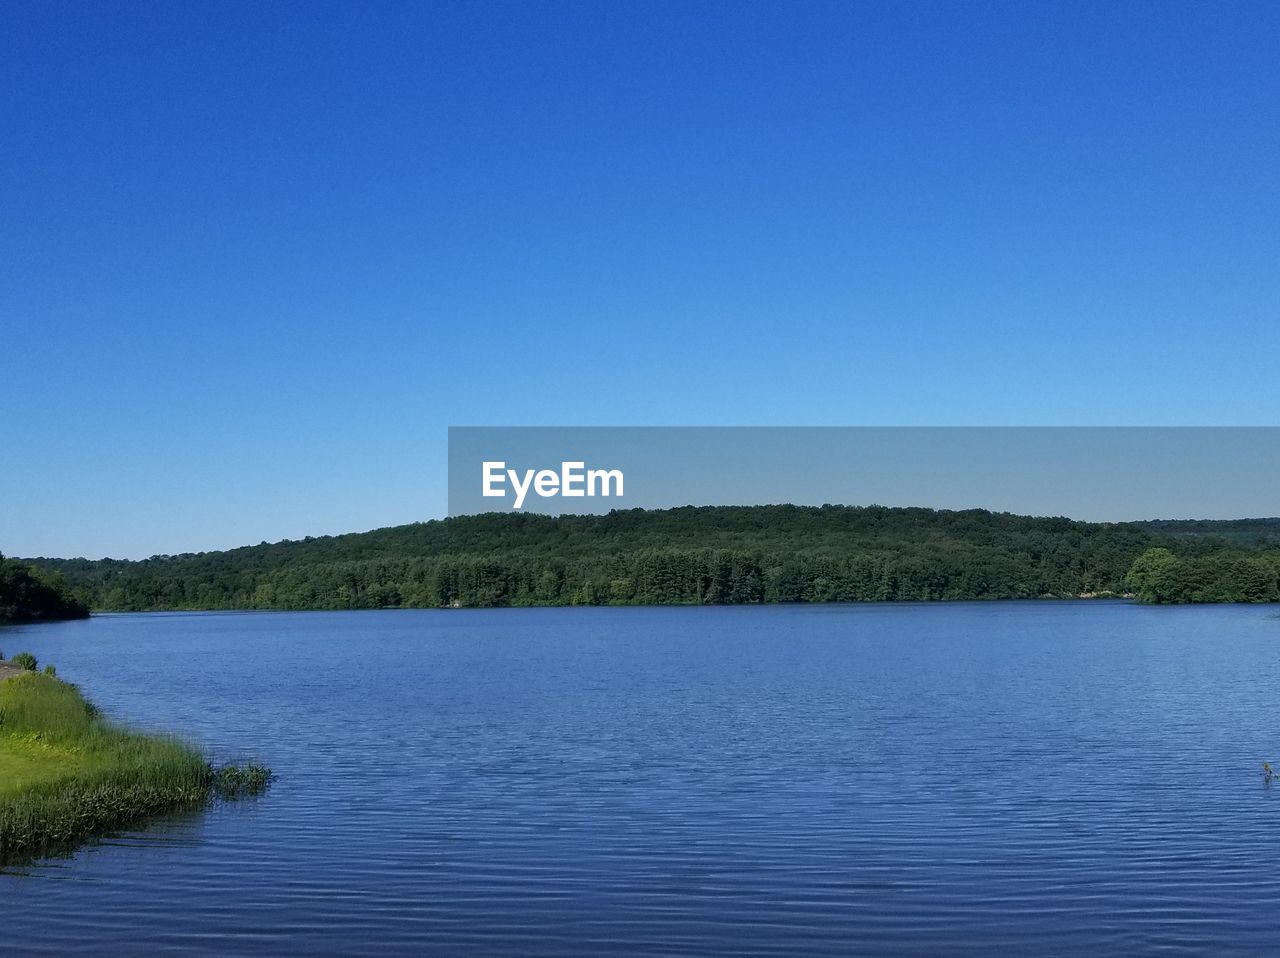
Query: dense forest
{"x": 691, "y": 555}
{"x": 31, "y": 595}
{"x": 1160, "y": 575}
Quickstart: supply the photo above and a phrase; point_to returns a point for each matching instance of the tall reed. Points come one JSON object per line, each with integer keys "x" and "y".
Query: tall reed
{"x": 114, "y": 777}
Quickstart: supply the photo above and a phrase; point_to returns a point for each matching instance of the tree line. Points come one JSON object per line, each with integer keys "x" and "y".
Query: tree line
{"x": 1161, "y": 576}
{"x": 692, "y": 555}
{"x": 29, "y": 594}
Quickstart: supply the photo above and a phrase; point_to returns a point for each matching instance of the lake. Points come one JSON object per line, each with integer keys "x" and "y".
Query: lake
{"x": 1066, "y": 778}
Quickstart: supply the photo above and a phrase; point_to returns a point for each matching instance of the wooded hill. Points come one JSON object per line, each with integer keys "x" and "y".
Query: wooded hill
{"x": 707, "y": 555}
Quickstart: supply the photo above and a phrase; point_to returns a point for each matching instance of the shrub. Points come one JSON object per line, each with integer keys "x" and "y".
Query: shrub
{"x": 50, "y": 671}
{"x": 238, "y": 781}
{"x": 25, "y": 660}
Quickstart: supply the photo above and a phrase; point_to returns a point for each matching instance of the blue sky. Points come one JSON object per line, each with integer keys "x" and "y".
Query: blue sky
{"x": 255, "y": 258}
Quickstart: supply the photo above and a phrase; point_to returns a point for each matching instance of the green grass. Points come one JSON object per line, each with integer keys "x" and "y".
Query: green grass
{"x": 66, "y": 774}
{"x": 27, "y": 761}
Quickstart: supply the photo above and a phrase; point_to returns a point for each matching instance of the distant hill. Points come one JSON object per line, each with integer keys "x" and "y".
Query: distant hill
{"x": 1250, "y": 533}
{"x": 724, "y": 554}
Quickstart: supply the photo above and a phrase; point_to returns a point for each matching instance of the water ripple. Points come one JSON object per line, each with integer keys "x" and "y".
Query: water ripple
{"x": 1041, "y": 778}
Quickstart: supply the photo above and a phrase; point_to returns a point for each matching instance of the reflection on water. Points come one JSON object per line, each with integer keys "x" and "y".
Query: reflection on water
{"x": 1059, "y": 778}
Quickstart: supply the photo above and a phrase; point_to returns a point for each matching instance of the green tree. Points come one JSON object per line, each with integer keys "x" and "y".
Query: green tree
{"x": 1155, "y": 576}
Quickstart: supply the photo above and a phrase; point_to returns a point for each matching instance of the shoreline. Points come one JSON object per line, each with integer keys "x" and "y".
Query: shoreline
{"x": 1001, "y": 600}
{"x": 68, "y": 775}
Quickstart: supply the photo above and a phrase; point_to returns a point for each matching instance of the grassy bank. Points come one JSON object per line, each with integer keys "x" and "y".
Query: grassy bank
{"x": 66, "y": 774}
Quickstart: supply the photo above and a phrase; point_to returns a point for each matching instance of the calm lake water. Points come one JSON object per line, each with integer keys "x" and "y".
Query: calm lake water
{"x": 1023, "y": 778}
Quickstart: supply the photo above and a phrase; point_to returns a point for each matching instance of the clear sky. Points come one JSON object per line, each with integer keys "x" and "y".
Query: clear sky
{"x": 255, "y": 258}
